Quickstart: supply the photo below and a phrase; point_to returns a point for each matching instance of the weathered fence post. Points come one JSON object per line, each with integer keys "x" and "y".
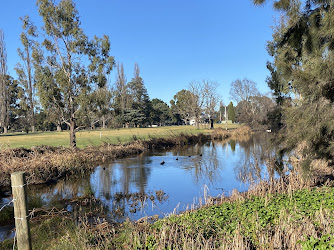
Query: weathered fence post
{"x": 19, "y": 190}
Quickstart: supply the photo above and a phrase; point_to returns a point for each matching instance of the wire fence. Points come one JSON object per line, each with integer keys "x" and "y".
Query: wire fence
{"x": 21, "y": 237}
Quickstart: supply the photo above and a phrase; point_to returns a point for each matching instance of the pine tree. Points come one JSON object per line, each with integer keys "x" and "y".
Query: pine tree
{"x": 302, "y": 74}
{"x": 231, "y": 112}
{"x": 139, "y": 99}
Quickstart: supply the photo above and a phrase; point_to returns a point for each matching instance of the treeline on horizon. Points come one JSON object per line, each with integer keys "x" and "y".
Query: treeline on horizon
{"x": 62, "y": 83}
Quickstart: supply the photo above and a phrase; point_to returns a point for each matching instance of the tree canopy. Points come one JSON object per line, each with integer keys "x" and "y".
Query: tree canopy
{"x": 70, "y": 65}
{"x": 302, "y": 74}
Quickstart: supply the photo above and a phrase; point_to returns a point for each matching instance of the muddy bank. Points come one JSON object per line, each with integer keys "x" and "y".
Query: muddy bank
{"x": 48, "y": 164}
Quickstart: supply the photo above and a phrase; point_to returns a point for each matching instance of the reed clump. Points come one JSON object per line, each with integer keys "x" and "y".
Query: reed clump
{"x": 239, "y": 133}
{"x": 47, "y": 164}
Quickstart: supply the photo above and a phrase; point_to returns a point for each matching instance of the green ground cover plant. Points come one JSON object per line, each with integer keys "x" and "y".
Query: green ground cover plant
{"x": 301, "y": 219}
{"x": 254, "y": 222}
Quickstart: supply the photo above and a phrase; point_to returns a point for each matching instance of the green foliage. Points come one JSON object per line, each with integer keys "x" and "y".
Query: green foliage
{"x": 70, "y": 66}
{"x": 139, "y": 99}
{"x": 160, "y": 112}
{"x": 302, "y": 75}
{"x": 231, "y": 112}
{"x": 325, "y": 242}
{"x": 180, "y": 105}
{"x": 26, "y": 72}
{"x": 256, "y": 214}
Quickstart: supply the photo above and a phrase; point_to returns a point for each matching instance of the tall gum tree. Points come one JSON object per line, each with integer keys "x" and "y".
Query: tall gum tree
{"x": 25, "y": 72}
{"x": 4, "y": 95}
{"x": 76, "y": 64}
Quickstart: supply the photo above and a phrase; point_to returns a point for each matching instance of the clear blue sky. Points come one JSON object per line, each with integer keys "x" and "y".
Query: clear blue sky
{"x": 173, "y": 41}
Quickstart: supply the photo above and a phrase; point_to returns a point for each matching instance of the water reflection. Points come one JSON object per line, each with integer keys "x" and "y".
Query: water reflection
{"x": 139, "y": 186}
{"x": 258, "y": 151}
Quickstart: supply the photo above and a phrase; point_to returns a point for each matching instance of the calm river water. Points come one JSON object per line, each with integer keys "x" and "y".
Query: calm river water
{"x": 162, "y": 182}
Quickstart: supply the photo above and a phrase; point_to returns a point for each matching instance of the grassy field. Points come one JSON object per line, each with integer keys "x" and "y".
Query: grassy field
{"x": 96, "y": 137}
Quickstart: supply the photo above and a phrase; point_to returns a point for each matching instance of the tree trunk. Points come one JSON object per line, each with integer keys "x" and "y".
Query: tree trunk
{"x": 103, "y": 122}
{"x": 32, "y": 129}
{"x": 211, "y": 121}
{"x": 59, "y": 128}
{"x": 197, "y": 124}
{"x": 73, "y": 141}
{"x": 5, "y": 130}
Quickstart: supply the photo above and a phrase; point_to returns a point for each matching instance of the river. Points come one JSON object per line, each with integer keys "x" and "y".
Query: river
{"x": 163, "y": 182}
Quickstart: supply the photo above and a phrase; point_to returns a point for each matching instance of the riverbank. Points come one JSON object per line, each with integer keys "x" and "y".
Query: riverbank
{"x": 290, "y": 212}
{"x": 287, "y": 213}
{"x": 48, "y": 164}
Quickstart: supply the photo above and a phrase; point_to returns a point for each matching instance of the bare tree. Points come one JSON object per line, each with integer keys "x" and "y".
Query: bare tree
{"x": 252, "y": 107}
{"x": 243, "y": 90}
{"x": 203, "y": 98}
{"x": 196, "y": 100}
{"x": 211, "y": 99}
{"x": 4, "y": 98}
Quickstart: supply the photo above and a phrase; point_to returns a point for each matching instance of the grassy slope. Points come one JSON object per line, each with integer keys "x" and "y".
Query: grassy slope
{"x": 92, "y": 137}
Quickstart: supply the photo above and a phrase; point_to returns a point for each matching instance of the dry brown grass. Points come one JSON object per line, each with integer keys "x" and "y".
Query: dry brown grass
{"x": 239, "y": 133}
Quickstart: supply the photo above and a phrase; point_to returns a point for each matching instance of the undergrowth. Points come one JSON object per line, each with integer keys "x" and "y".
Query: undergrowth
{"x": 301, "y": 219}
{"x": 282, "y": 221}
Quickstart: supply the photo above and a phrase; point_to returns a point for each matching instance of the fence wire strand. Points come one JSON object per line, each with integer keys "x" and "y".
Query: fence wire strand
{"x": 12, "y": 201}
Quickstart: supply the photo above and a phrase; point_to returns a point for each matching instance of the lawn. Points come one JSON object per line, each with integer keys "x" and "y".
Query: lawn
{"x": 96, "y": 137}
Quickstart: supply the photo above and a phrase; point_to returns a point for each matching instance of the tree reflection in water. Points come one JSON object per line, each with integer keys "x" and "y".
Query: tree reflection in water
{"x": 138, "y": 186}
{"x": 259, "y": 151}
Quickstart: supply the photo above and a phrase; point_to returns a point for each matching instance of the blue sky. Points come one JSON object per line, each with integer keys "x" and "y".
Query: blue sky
{"x": 173, "y": 41}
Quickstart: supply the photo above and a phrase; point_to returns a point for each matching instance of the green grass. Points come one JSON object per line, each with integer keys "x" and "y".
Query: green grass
{"x": 92, "y": 137}
{"x": 304, "y": 217}
{"x": 261, "y": 214}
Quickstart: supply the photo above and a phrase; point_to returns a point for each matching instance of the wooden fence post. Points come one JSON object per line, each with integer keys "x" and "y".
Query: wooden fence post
{"x": 19, "y": 190}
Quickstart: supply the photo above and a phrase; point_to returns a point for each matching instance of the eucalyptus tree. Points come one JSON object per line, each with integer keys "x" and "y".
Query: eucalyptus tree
{"x": 302, "y": 74}
{"x": 4, "y": 94}
{"x": 75, "y": 64}
{"x": 180, "y": 105}
{"x": 25, "y": 72}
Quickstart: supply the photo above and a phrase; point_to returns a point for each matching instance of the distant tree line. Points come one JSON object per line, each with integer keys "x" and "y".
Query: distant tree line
{"x": 63, "y": 84}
